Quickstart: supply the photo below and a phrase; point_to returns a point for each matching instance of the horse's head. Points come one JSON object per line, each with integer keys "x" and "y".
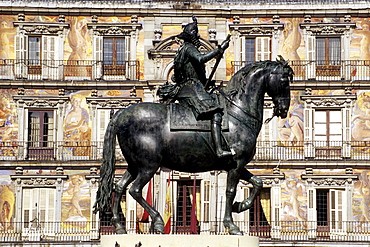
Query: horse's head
{"x": 278, "y": 86}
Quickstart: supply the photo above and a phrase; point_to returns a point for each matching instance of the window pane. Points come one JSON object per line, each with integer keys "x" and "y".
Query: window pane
{"x": 120, "y": 51}
{"x": 320, "y": 51}
{"x": 334, "y": 51}
{"x": 34, "y": 50}
{"x": 320, "y": 129}
{"x": 249, "y": 50}
{"x": 335, "y": 116}
{"x": 108, "y": 51}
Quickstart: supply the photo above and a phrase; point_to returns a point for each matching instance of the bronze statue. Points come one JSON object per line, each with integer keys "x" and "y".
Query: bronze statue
{"x": 147, "y": 142}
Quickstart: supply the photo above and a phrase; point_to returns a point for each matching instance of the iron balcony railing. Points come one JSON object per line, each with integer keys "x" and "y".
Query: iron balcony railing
{"x": 265, "y": 151}
{"x": 28, "y": 69}
{"x": 324, "y": 70}
{"x": 282, "y": 231}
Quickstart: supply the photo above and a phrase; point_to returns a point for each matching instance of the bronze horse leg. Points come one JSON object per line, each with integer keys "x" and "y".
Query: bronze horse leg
{"x": 257, "y": 183}
{"x": 120, "y": 188}
{"x": 232, "y": 181}
{"x": 136, "y": 190}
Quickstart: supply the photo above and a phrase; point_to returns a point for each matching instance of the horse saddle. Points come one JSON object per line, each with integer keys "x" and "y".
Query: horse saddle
{"x": 182, "y": 118}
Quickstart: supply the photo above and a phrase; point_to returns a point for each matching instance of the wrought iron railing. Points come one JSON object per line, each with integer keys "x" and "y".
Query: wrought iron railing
{"x": 266, "y": 150}
{"x": 28, "y": 69}
{"x": 277, "y": 231}
{"x": 325, "y": 70}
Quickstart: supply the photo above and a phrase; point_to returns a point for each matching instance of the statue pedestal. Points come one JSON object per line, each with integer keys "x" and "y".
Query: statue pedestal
{"x": 130, "y": 240}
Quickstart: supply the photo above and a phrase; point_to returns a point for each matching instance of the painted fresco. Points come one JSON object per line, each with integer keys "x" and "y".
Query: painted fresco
{"x": 8, "y": 120}
{"x": 361, "y": 117}
{"x": 290, "y": 129}
{"x": 76, "y": 201}
{"x": 77, "y": 127}
{"x": 7, "y": 201}
{"x": 361, "y": 199}
{"x": 293, "y": 197}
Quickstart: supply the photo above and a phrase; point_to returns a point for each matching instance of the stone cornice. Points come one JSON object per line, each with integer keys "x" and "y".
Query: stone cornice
{"x": 113, "y": 102}
{"x": 37, "y": 180}
{"x": 328, "y": 100}
{"x": 113, "y": 29}
{"x": 40, "y": 101}
{"x": 330, "y": 180}
{"x": 42, "y": 28}
{"x": 256, "y": 29}
{"x": 318, "y": 29}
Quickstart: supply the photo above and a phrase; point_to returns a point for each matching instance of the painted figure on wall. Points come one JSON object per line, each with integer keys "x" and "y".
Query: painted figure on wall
{"x": 291, "y": 128}
{"x": 78, "y": 41}
{"x": 76, "y": 202}
{"x": 361, "y": 209}
{"x": 7, "y": 201}
{"x": 8, "y": 127}
{"x": 361, "y": 121}
{"x": 77, "y": 129}
{"x": 293, "y": 209}
{"x": 291, "y": 40}
{"x": 365, "y": 41}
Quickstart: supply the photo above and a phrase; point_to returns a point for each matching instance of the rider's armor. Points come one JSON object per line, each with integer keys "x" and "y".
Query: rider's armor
{"x": 190, "y": 76}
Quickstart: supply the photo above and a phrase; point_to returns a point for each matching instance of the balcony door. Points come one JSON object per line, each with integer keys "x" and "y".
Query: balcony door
{"x": 114, "y": 60}
{"x": 328, "y": 56}
{"x": 41, "y": 135}
{"x": 257, "y": 49}
{"x": 260, "y": 215}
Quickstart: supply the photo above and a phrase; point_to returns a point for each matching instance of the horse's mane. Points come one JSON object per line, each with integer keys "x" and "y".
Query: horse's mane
{"x": 238, "y": 81}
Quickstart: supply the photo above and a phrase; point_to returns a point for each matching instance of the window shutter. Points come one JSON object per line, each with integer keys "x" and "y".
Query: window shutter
{"x": 20, "y": 56}
{"x": 263, "y": 48}
{"x": 49, "y": 56}
{"x": 311, "y": 57}
{"x": 97, "y": 56}
{"x": 206, "y": 200}
{"x": 337, "y": 206}
{"x": 311, "y": 213}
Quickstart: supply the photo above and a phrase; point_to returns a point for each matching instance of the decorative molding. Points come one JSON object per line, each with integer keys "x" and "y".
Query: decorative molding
{"x": 42, "y": 28}
{"x": 114, "y": 29}
{"x": 318, "y": 29}
{"x": 257, "y": 29}
{"x": 37, "y": 180}
{"x": 165, "y": 49}
{"x": 41, "y": 101}
{"x": 112, "y": 102}
{"x": 269, "y": 179}
{"x": 329, "y": 180}
{"x": 328, "y": 100}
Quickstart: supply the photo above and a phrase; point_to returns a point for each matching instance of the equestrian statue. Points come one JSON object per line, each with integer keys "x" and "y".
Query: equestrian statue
{"x": 148, "y": 139}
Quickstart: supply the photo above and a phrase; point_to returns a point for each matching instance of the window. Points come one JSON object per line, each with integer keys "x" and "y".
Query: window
{"x": 184, "y": 205}
{"x": 40, "y": 135}
{"x": 34, "y": 55}
{"x": 328, "y": 133}
{"x": 257, "y": 49}
{"x": 329, "y": 210}
{"x": 260, "y": 214}
{"x": 38, "y": 206}
{"x": 328, "y": 56}
{"x": 114, "y": 56}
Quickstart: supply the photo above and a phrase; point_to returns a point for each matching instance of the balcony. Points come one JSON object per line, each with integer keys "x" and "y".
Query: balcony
{"x": 62, "y": 70}
{"x": 265, "y": 151}
{"x": 342, "y": 70}
{"x": 88, "y": 231}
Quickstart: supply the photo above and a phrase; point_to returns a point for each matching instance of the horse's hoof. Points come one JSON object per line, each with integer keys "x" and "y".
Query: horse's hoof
{"x": 158, "y": 224}
{"x": 120, "y": 231}
{"x": 235, "y": 231}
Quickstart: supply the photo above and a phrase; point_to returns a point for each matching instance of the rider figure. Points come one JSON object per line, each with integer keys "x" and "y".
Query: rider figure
{"x": 190, "y": 77}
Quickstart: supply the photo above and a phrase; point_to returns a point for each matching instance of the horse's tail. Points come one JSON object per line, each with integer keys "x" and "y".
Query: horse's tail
{"x": 103, "y": 196}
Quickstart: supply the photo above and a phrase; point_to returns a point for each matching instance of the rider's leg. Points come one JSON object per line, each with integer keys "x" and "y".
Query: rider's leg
{"x": 216, "y": 135}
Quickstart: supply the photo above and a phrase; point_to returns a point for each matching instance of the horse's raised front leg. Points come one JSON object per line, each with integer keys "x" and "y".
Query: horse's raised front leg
{"x": 232, "y": 182}
{"x": 120, "y": 188}
{"x": 257, "y": 186}
{"x": 136, "y": 192}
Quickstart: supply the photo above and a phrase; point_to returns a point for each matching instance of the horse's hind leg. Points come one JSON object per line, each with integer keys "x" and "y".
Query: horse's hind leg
{"x": 136, "y": 192}
{"x": 257, "y": 186}
{"x": 120, "y": 188}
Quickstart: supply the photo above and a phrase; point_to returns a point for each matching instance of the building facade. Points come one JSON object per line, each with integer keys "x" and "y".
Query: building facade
{"x": 67, "y": 67}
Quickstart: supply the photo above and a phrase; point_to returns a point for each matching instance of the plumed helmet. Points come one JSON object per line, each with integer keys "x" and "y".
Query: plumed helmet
{"x": 190, "y": 32}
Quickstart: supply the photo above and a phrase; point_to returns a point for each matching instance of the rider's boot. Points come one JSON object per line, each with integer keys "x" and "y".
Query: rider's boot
{"x": 216, "y": 135}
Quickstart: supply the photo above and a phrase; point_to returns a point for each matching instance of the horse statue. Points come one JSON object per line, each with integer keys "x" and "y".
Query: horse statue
{"x": 147, "y": 142}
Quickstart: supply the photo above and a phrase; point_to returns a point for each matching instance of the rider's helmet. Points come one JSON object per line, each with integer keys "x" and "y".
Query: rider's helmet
{"x": 190, "y": 32}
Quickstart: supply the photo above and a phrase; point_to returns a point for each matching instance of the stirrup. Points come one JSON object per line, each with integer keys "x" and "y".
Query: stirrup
{"x": 223, "y": 153}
